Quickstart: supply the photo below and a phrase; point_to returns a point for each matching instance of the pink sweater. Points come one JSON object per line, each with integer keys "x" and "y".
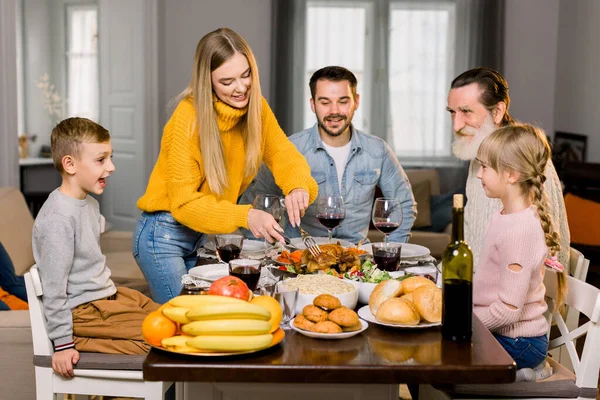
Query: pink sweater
{"x": 516, "y": 238}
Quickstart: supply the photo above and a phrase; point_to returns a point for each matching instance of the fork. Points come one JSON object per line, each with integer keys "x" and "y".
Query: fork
{"x": 309, "y": 242}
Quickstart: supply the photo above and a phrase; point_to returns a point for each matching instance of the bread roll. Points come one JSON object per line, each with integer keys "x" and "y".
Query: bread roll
{"x": 410, "y": 284}
{"x": 396, "y": 311}
{"x": 407, "y": 296}
{"x": 383, "y": 291}
{"x": 428, "y": 300}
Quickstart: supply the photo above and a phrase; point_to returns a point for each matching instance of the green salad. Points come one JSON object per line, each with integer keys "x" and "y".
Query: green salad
{"x": 368, "y": 272}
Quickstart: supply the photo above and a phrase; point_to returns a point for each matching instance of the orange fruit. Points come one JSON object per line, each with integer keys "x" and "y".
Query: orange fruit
{"x": 157, "y": 327}
{"x": 274, "y": 308}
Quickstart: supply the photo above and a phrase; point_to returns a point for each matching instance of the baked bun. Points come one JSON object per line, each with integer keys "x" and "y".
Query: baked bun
{"x": 407, "y": 297}
{"x": 352, "y": 328}
{"x": 428, "y": 300}
{"x": 383, "y": 291}
{"x": 410, "y": 284}
{"x": 344, "y": 317}
{"x": 327, "y": 327}
{"x": 314, "y": 313}
{"x": 396, "y": 311}
{"x": 327, "y": 302}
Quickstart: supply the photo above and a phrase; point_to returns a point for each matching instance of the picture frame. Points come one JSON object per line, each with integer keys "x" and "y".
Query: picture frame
{"x": 567, "y": 148}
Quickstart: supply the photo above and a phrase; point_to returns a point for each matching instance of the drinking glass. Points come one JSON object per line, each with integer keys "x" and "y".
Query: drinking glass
{"x": 270, "y": 203}
{"x": 387, "y": 215}
{"x": 229, "y": 247}
{"x": 247, "y": 270}
{"x": 386, "y": 255}
{"x": 331, "y": 211}
{"x": 287, "y": 298}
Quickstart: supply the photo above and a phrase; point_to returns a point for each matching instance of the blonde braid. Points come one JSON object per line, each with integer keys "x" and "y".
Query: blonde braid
{"x": 540, "y": 200}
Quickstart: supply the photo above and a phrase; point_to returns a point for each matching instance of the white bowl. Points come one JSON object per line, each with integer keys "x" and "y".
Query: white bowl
{"x": 366, "y": 288}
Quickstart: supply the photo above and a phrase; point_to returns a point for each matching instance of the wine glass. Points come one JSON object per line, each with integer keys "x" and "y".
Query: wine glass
{"x": 331, "y": 211}
{"x": 270, "y": 203}
{"x": 387, "y": 215}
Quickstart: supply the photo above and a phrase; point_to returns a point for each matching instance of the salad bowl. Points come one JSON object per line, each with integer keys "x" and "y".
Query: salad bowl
{"x": 367, "y": 277}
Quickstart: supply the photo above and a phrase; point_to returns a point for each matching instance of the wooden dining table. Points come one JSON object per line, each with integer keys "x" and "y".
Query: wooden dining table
{"x": 375, "y": 361}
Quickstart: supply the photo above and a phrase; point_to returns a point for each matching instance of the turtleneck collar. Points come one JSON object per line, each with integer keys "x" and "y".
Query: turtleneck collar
{"x": 227, "y": 116}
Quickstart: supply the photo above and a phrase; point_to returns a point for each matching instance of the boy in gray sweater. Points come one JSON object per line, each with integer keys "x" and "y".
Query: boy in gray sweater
{"x": 83, "y": 308}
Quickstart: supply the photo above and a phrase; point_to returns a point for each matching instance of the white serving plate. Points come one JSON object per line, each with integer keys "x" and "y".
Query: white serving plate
{"x": 297, "y": 242}
{"x": 365, "y": 313}
{"x": 342, "y": 335}
{"x": 409, "y": 250}
{"x": 210, "y": 272}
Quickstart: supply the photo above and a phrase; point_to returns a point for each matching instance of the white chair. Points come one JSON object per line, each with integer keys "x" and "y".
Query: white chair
{"x": 95, "y": 374}
{"x": 578, "y": 269}
{"x": 563, "y": 384}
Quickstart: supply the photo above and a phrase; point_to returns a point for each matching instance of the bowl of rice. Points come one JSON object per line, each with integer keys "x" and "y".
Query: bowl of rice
{"x": 310, "y": 286}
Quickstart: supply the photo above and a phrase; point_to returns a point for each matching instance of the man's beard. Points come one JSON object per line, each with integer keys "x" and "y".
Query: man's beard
{"x": 465, "y": 147}
{"x": 341, "y": 130}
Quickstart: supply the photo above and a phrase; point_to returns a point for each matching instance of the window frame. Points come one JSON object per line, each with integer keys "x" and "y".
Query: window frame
{"x": 378, "y": 21}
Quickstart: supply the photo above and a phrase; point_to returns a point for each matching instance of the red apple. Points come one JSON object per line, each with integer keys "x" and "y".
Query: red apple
{"x": 230, "y": 286}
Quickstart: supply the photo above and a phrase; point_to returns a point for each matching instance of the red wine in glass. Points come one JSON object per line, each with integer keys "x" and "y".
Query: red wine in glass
{"x": 330, "y": 221}
{"x": 249, "y": 275}
{"x": 229, "y": 252}
{"x": 386, "y": 227}
{"x": 386, "y": 261}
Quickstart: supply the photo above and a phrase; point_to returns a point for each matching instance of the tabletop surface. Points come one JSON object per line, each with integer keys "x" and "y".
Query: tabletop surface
{"x": 378, "y": 355}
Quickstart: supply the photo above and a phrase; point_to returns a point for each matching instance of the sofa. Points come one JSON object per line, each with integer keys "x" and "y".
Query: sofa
{"x": 431, "y": 229}
{"x": 16, "y": 348}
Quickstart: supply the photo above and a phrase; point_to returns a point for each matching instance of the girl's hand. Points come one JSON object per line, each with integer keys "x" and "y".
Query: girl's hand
{"x": 296, "y": 203}
{"x": 263, "y": 225}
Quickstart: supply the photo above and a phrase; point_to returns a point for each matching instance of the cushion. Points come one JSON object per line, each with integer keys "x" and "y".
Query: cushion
{"x": 422, "y": 192}
{"x": 584, "y": 220}
{"x": 441, "y": 212}
{"x": 99, "y": 361}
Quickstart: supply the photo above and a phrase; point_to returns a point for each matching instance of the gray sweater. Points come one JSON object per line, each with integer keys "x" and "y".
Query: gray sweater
{"x": 73, "y": 271}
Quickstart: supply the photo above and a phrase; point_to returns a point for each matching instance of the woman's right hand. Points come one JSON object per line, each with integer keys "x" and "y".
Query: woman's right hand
{"x": 263, "y": 225}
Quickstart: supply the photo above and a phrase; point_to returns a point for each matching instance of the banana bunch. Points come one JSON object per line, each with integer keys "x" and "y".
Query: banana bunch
{"x": 217, "y": 324}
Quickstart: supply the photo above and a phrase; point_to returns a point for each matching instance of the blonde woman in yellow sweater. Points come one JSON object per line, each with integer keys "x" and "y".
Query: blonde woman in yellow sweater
{"x": 220, "y": 132}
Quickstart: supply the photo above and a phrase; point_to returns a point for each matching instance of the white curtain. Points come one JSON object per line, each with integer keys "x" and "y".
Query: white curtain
{"x": 82, "y": 55}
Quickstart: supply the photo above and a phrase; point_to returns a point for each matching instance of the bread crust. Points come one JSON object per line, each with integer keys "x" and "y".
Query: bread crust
{"x": 382, "y": 292}
{"x": 396, "y": 311}
{"x": 314, "y": 313}
{"x": 428, "y": 300}
{"x": 344, "y": 317}
{"x": 410, "y": 284}
{"x": 327, "y": 302}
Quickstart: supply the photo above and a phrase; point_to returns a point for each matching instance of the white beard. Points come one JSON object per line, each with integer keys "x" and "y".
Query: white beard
{"x": 465, "y": 146}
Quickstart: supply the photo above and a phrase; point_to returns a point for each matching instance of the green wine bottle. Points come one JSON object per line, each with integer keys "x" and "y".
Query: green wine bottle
{"x": 457, "y": 277}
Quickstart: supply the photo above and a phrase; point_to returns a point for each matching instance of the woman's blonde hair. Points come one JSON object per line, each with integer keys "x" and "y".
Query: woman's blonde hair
{"x": 524, "y": 149}
{"x": 212, "y": 51}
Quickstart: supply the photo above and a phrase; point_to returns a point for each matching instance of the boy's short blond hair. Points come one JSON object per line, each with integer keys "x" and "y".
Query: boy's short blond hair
{"x": 68, "y": 134}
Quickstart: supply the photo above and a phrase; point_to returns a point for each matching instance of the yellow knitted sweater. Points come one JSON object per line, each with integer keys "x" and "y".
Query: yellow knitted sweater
{"x": 177, "y": 183}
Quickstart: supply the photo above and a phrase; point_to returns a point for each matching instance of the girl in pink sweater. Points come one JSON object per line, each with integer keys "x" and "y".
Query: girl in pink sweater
{"x": 508, "y": 294}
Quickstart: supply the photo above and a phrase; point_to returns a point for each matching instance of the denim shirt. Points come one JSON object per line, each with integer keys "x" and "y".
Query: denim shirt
{"x": 371, "y": 162}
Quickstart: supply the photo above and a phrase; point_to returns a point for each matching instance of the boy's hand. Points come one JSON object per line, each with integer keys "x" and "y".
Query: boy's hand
{"x": 62, "y": 362}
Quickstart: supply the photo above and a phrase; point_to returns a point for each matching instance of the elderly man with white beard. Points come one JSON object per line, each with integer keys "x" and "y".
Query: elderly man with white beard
{"x": 478, "y": 103}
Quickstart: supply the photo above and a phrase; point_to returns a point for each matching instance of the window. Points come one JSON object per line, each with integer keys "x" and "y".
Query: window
{"x": 82, "y": 61}
{"x": 344, "y": 27}
{"x": 403, "y": 55}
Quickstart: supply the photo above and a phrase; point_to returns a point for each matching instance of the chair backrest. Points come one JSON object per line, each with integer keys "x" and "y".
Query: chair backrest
{"x": 42, "y": 346}
{"x": 584, "y": 298}
{"x": 578, "y": 265}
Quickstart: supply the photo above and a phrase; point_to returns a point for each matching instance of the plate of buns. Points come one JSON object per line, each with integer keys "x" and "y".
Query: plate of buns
{"x": 415, "y": 302}
{"x": 327, "y": 318}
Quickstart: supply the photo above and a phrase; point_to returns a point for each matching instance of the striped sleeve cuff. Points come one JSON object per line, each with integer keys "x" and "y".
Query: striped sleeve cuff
{"x": 60, "y": 345}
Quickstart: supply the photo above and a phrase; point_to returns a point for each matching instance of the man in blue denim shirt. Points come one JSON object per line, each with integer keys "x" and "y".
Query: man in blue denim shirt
{"x": 343, "y": 160}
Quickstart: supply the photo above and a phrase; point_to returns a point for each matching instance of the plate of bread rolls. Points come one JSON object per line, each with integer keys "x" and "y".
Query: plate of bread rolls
{"x": 327, "y": 318}
{"x": 415, "y": 302}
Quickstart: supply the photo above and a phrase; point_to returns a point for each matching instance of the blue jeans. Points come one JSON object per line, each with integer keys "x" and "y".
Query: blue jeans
{"x": 528, "y": 352}
{"x": 9, "y": 281}
{"x": 165, "y": 250}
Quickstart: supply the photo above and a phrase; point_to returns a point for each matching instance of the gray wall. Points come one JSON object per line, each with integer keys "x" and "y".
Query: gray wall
{"x": 183, "y": 22}
{"x": 530, "y": 55}
{"x": 577, "y": 99}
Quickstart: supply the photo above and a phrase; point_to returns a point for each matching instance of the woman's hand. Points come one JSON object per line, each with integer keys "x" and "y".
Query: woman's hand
{"x": 263, "y": 225}
{"x": 296, "y": 203}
